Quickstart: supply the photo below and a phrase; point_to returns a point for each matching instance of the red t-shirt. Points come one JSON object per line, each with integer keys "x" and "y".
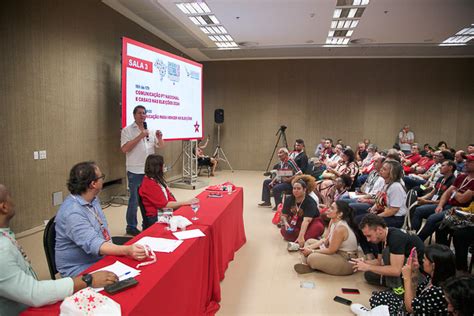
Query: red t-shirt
{"x": 462, "y": 184}
{"x": 153, "y": 196}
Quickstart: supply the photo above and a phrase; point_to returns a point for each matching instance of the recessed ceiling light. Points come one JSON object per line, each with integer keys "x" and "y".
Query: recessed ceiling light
{"x": 337, "y": 13}
{"x": 214, "y": 19}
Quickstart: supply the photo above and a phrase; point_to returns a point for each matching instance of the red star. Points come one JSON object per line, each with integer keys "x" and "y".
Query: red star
{"x": 91, "y": 298}
{"x": 76, "y": 300}
{"x": 196, "y": 127}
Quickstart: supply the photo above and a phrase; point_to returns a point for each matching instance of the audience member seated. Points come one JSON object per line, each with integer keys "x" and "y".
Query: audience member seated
{"x": 328, "y": 151}
{"x": 427, "y": 297}
{"x": 459, "y": 194}
{"x": 367, "y": 165}
{"x": 470, "y": 149}
{"x": 394, "y": 247}
{"x": 393, "y": 154}
{"x": 405, "y": 139}
{"x": 319, "y": 149}
{"x": 332, "y": 161}
{"x": 310, "y": 185}
{"x": 421, "y": 166}
{"x": 459, "y": 293}
{"x": 204, "y": 160}
{"x": 460, "y": 160}
{"x": 299, "y": 155}
{"x": 331, "y": 253}
{"x": 463, "y": 238}
{"x": 300, "y": 216}
{"x": 432, "y": 174}
{"x": 82, "y": 234}
{"x": 361, "y": 152}
{"x": 340, "y": 190}
{"x": 370, "y": 188}
{"x": 390, "y": 202}
{"x": 19, "y": 285}
{"x": 286, "y": 170}
{"x": 427, "y": 149}
{"x": 412, "y": 158}
{"x": 428, "y": 203}
{"x": 346, "y": 165}
{"x": 154, "y": 191}
{"x": 442, "y": 146}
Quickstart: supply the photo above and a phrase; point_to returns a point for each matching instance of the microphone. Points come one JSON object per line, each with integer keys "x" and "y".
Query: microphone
{"x": 146, "y": 128}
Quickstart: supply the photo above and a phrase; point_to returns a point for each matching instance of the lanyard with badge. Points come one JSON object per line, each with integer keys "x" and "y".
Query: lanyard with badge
{"x": 22, "y": 252}
{"x": 463, "y": 185}
{"x": 436, "y": 195}
{"x": 93, "y": 211}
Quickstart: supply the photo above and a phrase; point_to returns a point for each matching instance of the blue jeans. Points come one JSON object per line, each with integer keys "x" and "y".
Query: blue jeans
{"x": 360, "y": 208}
{"x": 361, "y": 180}
{"x": 421, "y": 212}
{"x": 134, "y": 181}
{"x": 411, "y": 182}
{"x": 277, "y": 189}
{"x": 432, "y": 223}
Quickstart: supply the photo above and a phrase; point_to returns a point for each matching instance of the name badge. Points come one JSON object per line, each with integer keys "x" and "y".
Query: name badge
{"x": 435, "y": 197}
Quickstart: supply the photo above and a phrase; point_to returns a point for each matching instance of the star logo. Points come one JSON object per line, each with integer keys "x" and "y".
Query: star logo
{"x": 196, "y": 127}
{"x": 91, "y": 298}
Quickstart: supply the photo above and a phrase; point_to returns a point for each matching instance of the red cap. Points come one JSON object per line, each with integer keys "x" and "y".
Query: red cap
{"x": 470, "y": 157}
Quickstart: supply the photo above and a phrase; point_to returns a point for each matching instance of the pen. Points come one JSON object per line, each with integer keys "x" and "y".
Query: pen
{"x": 126, "y": 273}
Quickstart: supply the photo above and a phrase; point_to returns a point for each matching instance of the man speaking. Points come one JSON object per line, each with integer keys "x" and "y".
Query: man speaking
{"x": 137, "y": 142}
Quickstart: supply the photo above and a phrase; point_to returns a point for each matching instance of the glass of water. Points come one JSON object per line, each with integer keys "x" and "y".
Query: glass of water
{"x": 195, "y": 208}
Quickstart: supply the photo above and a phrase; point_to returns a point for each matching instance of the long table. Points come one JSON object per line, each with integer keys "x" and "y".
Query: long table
{"x": 185, "y": 282}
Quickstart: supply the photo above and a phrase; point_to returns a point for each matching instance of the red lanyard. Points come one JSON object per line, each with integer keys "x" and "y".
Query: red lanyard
{"x": 94, "y": 212}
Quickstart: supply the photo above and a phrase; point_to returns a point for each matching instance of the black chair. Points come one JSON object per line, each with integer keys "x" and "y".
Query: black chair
{"x": 203, "y": 162}
{"x": 145, "y": 223}
{"x": 49, "y": 242}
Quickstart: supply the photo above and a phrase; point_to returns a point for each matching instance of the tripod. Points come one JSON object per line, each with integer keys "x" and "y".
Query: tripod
{"x": 280, "y": 133}
{"x": 218, "y": 152}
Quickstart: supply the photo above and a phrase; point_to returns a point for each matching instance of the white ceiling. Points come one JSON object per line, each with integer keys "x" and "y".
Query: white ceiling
{"x": 299, "y": 28}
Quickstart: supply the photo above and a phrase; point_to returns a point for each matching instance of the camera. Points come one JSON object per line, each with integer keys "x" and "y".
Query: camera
{"x": 282, "y": 128}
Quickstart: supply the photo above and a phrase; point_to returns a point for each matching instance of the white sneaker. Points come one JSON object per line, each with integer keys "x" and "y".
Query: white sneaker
{"x": 359, "y": 309}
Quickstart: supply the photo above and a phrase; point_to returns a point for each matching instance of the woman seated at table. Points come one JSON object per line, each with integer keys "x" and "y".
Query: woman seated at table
{"x": 300, "y": 215}
{"x": 154, "y": 191}
{"x": 331, "y": 253}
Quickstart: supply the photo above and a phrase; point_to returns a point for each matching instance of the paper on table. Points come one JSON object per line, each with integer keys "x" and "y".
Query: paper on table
{"x": 160, "y": 244}
{"x": 193, "y": 233}
{"x": 121, "y": 270}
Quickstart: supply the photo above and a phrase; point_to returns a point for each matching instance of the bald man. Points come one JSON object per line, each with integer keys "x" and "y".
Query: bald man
{"x": 19, "y": 285}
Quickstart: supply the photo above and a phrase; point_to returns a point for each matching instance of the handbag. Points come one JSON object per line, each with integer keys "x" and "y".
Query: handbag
{"x": 277, "y": 217}
{"x": 456, "y": 219}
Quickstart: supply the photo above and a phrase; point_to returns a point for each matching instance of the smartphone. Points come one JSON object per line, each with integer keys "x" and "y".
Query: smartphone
{"x": 350, "y": 291}
{"x": 342, "y": 300}
{"x": 120, "y": 285}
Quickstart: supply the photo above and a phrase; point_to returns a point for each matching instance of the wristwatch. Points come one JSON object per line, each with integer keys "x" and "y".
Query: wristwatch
{"x": 88, "y": 279}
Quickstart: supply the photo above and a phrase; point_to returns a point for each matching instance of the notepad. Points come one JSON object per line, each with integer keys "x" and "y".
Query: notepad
{"x": 187, "y": 234}
{"x": 160, "y": 244}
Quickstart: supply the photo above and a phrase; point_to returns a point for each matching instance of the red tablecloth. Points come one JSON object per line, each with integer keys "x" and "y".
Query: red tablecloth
{"x": 224, "y": 216}
{"x": 184, "y": 282}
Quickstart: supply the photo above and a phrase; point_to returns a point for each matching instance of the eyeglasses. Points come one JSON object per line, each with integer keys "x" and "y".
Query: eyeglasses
{"x": 101, "y": 177}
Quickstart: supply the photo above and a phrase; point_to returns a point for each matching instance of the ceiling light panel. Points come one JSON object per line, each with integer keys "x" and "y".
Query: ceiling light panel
{"x": 346, "y": 16}
{"x": 201, "y": 15}
{"x": 460, "y": 38}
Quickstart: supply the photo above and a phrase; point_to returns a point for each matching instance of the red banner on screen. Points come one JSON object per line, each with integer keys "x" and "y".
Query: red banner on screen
{"x": 139, "y": 64}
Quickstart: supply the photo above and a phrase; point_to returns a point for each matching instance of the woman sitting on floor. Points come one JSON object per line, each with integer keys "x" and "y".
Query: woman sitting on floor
{"x": 331, "y": 254}
{"x": 154, "y": 191}
{"x": 300, "y": 216}
{"x": 426, "y": 298}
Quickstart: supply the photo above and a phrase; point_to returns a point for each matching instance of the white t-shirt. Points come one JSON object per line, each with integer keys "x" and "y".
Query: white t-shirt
{"x": 135, "y": 158}
{"x": 396, "y": 197}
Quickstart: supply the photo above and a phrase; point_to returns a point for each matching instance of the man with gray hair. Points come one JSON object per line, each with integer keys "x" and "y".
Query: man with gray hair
{"x": 286, "y": 169}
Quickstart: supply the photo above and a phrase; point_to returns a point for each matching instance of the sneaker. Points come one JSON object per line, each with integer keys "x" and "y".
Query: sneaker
{"x": 293, "y": 246}
{"x": 301, "y": 268}
{"x": 359, "y": 309}
{"x": 274, "y": 209}
{"x": 265, "y": 204}
{"x": 133, "y": 231}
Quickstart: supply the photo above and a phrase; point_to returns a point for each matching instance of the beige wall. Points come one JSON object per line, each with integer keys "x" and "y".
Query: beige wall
{"x": 60, "y": 91}
{"x": 341, "y": 98}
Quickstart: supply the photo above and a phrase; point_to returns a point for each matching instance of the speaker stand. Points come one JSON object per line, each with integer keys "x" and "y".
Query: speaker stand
{"x": 219, "y": 153}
